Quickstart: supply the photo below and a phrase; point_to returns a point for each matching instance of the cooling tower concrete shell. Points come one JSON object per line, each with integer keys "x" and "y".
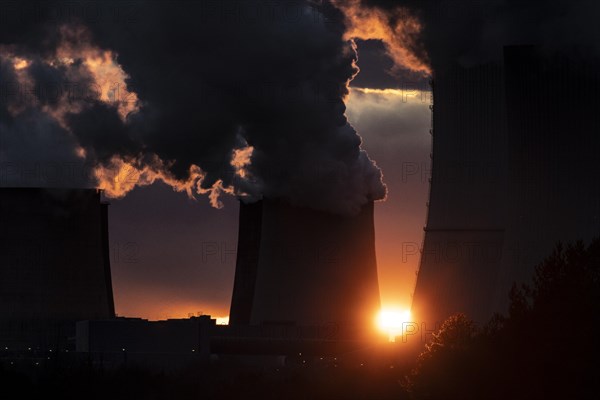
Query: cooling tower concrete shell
{"x": 462, "y": 248}
{"x": 515, "y": 170}
{"x": 316, "y": 268}
{"x": 250, "y": 221}
{"x": 553, "y": 146}
{"x": 54, "y": 264}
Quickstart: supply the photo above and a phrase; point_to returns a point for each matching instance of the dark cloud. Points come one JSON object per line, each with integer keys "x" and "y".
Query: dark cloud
{"x": 213, "y": 76}
{"x": 470, "y": 32}
{"x": 377, "y": 70}
{"x": 101, "y": 132}
{"x": 35, "y": 150}
{"x": 375, "y": 66}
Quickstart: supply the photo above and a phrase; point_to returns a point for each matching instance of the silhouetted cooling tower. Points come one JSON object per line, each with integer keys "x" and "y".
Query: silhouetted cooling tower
{"x": 314, "y": 268}
{"x": 55, "y": 267}
{"x": 553, "y": 147}
{"x": 247, "y": 262}
{"x": 514, "y": 171}
{"x": 461, "y": 252}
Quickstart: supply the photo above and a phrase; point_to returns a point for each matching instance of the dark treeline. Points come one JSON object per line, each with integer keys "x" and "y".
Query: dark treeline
{"x": 546, "y": 348}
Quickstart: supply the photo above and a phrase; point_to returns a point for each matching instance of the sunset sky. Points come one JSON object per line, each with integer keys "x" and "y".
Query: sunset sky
{"x": 158, "y": 237}
{"x": 300, "y": 198}
{"x": 172, "y": 256}
{"x": 176, "y": 110}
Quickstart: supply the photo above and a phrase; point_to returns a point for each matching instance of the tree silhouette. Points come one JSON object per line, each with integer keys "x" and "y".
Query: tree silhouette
{"x": 547, "y": 346}
{"x": 443, "y": 370}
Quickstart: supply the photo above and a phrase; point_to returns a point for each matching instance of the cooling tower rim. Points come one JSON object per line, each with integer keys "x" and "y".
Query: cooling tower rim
{"x": 52, "y": 192}
{"x": 330, "y": 213}
{"x": 248, "y": 200}
{"x": 51, "y": 188}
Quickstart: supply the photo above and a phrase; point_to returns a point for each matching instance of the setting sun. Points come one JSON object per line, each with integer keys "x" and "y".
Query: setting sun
{"x": 391, "y": 321}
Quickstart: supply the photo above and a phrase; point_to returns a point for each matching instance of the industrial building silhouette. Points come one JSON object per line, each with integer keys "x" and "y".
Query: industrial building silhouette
{"x": 514, "y": 170}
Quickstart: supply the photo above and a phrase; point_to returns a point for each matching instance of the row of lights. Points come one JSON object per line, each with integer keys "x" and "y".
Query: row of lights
{"x": 30, "y": 349}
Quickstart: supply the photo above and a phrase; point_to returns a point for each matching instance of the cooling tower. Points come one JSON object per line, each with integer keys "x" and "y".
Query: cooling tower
{"x": 314, "y": 268}
{"x": 54, "y": 267}
{"x": 461, "y": 253}
{"x": 514, "y": 171}
{"x": 246, "y": 263}
{"x": 552, "y": 105}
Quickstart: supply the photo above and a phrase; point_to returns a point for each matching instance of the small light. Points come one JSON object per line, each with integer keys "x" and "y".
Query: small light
{"x": 123, "y": 349}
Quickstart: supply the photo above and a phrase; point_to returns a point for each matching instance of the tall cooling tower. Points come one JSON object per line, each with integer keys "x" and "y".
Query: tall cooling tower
{"x": 461, "y": 254}
{"x": 54, "y": 264}
{"x": 514, "y": 171}
{"x": 247, "y": 262}
{"x": 314, "y": 268}
{"x": 553, "y": 146}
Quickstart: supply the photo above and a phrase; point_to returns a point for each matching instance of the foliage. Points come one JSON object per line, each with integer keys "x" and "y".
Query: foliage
{"x": 545, "y": 348}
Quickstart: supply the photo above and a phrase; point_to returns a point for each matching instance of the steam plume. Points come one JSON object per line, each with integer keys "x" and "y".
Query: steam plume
{"x": 211, "y": 98}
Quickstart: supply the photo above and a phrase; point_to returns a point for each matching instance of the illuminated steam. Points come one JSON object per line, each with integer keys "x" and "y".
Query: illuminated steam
{"x": 218, "y": 106}
{"x": 397, "y": 28}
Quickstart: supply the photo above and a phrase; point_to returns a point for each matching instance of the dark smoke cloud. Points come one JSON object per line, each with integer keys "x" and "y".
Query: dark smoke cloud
{"x": 211, "y": 77}
{"x": 377, "y": 70}
{"x": 469, "y": 32}
{"x": 35, "y": 150}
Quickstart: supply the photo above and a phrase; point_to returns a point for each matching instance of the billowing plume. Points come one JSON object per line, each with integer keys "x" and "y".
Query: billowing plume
{"x": 471, "y": 32}
{"x": 397, "y": 28}
{"x": 245, "y": 98}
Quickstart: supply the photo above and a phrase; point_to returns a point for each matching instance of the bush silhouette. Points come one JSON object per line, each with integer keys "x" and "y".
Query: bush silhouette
{"x": 547, "y": 346}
